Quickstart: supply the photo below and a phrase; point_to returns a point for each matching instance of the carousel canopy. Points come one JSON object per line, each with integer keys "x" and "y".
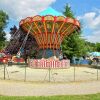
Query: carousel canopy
{"x": 50, "y": 11}
{"x": 49, "y": 28}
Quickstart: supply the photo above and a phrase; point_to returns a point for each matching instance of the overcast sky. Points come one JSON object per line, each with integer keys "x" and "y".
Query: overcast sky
{"x": 87, "y": 11}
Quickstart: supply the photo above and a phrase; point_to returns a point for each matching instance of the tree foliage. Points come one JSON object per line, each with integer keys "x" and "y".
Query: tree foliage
{"x": 91, "y": 47}
{"x": 3, "y": 23}
{"x": 98, "y": 47}
{"x": 73, "y": 45}
{"x": 68, "y": 12}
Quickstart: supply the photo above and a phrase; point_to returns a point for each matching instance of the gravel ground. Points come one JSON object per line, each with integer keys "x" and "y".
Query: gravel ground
{"x": 37, "y": 81}
{"x": 11, "y": 88}
{"x": 56, "y": 75}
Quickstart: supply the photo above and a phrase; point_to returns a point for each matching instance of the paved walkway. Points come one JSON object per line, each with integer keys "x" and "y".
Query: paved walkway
{"x": 11, "y": 88}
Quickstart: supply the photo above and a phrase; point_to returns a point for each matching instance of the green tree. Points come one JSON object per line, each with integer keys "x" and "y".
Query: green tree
{"x": 91, "y": 47}
{"x": 3, "y": 22}
{"x": 73, "y": 45}
{"x": 68, "y": 12}
{"x": 98, "y": 47}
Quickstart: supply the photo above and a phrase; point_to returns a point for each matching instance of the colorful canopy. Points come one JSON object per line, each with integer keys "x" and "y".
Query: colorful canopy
{"x": 49, "y": 30}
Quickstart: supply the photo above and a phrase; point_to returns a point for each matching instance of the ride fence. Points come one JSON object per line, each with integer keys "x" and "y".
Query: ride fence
{"x": 49, "y": 71}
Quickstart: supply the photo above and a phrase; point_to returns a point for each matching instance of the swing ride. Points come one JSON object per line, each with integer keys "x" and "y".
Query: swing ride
{"x": 43, "y": 34}
{"x": 47, "y": 31}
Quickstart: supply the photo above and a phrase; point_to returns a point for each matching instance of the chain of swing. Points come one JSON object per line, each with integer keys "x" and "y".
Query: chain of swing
{"x": 24, "y": 41}
{"x": 26, "y": 37}
{"x": 54, "y": 38}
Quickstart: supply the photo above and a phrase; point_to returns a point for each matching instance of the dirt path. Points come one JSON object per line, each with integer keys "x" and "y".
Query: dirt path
{"x": 11, "y": 88}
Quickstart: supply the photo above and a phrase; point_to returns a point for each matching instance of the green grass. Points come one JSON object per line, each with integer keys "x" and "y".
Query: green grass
{"x": 74, "y": 97}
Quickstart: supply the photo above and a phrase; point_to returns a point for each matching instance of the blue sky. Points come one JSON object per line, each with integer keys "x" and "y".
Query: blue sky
{"x": 87, "y": 11}
{"x": 79, "y": 7}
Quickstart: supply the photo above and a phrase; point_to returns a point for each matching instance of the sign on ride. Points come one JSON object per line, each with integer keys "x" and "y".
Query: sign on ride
{"x": 43, "y": 63}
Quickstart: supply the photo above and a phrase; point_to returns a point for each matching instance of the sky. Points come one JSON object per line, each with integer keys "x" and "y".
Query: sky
{"x": 87, "y": 11}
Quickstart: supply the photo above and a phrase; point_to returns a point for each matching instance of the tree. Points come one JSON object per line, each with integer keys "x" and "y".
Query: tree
{"x": 3, "y": 22}
{"x": 98, "y": 47}
{"x": 91, "y": 47}
{"x": 73, "y": 45}
{"x": 68, "y": 12}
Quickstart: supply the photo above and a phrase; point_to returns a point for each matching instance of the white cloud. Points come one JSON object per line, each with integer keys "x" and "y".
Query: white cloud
{"x": 95, "y": 37}
{"x": 97, "y": 10}
{"x": 91, "y": 21}
{"x": 18, "y": 9}
{"x": 7, "y": 36}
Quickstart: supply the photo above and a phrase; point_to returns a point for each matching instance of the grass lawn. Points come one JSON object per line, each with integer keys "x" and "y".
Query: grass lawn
{"x": 75, "y": 97}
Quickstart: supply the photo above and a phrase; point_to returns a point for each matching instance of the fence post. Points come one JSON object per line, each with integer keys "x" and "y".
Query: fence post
{"x": 49, "y": 75}
{"x": 4, "y": 71}
{"x": 74, "y": 73}
{"x": 97, "y": 71}
{"x": 25, "y": 73}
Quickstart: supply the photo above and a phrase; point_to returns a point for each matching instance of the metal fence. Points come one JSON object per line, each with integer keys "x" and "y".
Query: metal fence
{"x": 22, "y": 72}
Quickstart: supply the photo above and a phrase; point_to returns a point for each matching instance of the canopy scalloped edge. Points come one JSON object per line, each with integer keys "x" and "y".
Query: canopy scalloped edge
{"x": 38, "y": 18}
